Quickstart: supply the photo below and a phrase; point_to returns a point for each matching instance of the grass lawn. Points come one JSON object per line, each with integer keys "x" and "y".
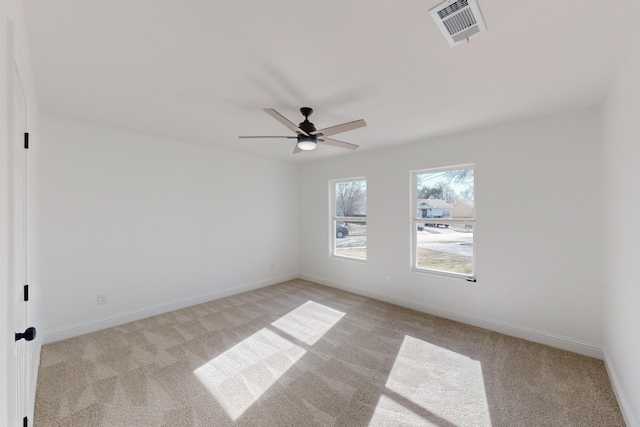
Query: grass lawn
{"x": 444, "y": 261}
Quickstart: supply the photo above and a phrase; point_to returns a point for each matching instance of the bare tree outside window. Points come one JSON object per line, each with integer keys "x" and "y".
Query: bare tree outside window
{"x": 351, "y": 198}
{"x": 449, "y": 186}
{"x": 442, "y": 191}
{"x": 461, "y": 176}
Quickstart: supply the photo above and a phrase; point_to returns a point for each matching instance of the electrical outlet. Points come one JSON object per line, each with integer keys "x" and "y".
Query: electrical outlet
{"x": 387, "y": 279}
{"x": 102, "y": 299}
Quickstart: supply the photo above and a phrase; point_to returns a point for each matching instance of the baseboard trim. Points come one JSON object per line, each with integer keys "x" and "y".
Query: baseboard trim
{"x": 623, "y": 402}
{"x": 133, "y": 315}
{"x": 550, "y": 339}
{"x": 553, "y": 340}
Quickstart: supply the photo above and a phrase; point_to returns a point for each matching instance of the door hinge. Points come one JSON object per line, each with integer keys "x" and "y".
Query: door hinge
{"x": 26, "y": 140}
{"x": 26, "y": 292}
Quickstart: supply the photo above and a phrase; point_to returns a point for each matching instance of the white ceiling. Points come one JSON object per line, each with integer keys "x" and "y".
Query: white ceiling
{"x": 202, "y": 71}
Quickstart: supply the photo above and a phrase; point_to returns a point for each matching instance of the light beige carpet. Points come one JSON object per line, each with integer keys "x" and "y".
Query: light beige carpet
{"x": 301, "y": 354}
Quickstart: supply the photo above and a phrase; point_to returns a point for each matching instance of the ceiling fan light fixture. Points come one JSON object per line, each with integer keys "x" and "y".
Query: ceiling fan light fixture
{"x": 307, "y": 143}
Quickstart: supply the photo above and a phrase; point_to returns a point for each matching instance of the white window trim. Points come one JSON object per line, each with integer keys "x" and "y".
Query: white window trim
{"x": 414, "y": 221}
{"x": 334, "y": 219}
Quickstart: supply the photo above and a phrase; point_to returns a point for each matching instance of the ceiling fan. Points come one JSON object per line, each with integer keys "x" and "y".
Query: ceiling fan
{"x": 307, "y": 135}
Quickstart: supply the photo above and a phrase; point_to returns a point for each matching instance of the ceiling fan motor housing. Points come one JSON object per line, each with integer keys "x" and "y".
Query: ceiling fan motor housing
{"x": 307, "y": 126}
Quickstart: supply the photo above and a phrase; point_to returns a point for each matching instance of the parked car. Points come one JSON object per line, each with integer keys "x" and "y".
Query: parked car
{"x": 435, "y": 225}
{"x": 341, "y": 231}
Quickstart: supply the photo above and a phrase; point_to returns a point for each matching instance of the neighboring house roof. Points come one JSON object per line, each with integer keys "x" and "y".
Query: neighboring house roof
{"x": 435, "y": 203}
{"x": 466, "y": 202}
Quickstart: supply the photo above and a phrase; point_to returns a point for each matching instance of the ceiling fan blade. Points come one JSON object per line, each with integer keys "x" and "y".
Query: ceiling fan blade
{"x": 282, "y": 119}
{"x": 260, "y": 136}
{"x": 337, "y": 143}
{"x": 297, "y": 150}
{"x": 340, "y": 128}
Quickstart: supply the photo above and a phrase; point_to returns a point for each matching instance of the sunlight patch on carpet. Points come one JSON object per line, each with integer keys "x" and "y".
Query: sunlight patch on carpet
{"x": 238, "y": 377}
{"x": 440, "y": 385}
{"x": 390, "y": 412}
{"x": 309, "y": 322}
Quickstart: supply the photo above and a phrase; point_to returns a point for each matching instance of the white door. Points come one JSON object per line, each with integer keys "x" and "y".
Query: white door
{"x": 19, "y": 249}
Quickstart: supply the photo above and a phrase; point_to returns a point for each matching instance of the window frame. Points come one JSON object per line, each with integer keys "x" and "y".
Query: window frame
{"x": 415, "y": 220}
{"x": 334, "y": 219}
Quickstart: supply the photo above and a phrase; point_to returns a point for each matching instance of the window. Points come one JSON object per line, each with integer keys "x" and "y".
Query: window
{"x": 443, "y": 216}
{"x": 349, "y": 218}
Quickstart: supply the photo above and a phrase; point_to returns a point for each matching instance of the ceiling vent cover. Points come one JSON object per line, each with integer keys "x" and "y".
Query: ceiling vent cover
{"x": 458, "y": 20}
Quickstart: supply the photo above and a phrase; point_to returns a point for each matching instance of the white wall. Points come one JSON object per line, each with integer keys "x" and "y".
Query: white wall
{"x": 153, "y": 223}
{"x": 13, "y": 50}
{"x": 621, "y": 196}
{"x": 538, "y": 241}
{"x": 6, "y": 293}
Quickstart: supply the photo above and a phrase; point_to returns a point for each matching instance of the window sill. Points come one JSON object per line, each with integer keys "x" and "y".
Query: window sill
{"x": 346, "y": 258}
{"x": 466, "y": 277}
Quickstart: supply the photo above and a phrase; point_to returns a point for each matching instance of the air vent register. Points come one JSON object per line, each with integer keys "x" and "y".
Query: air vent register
{"x": 459, "y": 20}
